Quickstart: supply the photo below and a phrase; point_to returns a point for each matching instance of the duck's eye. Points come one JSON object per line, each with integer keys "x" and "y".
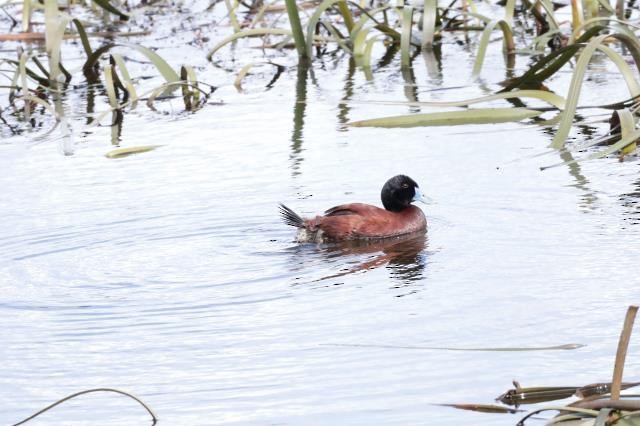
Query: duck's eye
{"x": 405, "y": 185}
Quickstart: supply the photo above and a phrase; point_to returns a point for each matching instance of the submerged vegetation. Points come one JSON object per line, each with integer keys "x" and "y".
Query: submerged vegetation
{"x": 555, "y": 36}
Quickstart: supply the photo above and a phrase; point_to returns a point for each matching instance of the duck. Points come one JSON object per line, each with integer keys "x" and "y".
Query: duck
{"x": 361, "y": 222}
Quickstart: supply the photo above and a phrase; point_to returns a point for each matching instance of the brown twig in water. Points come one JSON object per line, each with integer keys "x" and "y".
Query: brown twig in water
{"x": 47, "y": 408}
{"x": 621, "y": 354}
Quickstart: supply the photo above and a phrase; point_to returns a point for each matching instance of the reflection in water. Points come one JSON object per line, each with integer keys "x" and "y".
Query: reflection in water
{"x": 631, "y": 201}
{"x": 116, "y": 127}
{"x": 433, "y": 62}
{"x": 403, "y": 257}
{"x": 298, "y": 115}
{"x": 343, "y": 106}
{"x": 66, "y": 143}
{"x": 410, "y": 88}
{"x": 388, "y": 56}
{"x": 588, "y": 198}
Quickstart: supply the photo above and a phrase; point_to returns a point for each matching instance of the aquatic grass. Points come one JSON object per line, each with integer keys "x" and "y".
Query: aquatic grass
{"x": 127, "y": 151}
{"x": 579, "y": 73}
{"x": 161, "y": 91}
{"x": 596, "y": 410}
{"x": 245, "y": 70}
{"x": 190, "y": 90}
{"x": 347, "y": 16}
{"x": 315, "y": 19}
{"x": 296, "y": 30}
{"x": 429, "y": 19}
{"x": 451, "y": 118}
{"x": 509, "y": 45}
{"x": 557, "y": 101}
{"x": 231, "y": 9}
{"x": 255, "y": 32}
{"x": 26, "y": 16}
{"x": 356, "y": 28}
{"x": 55, "y": 24}
{"x": 21, "y": 75}
{"x": 627, "y": 122}
{"x": 110, "y": 86}
{"x": 167, "y": 72}
{"x": 405, "y": 39}
{"x": 483, "y": 408}
{"x": 124, "y": 77}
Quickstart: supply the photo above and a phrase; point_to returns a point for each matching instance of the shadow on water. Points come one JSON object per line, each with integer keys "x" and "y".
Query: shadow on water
{"x": 403, "y": 256}
{"x": 299, "y": 109}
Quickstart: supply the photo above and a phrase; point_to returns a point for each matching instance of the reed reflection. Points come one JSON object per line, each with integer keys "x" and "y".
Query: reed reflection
{"x": 299, "y": 109}
{"x": 343, "y": 106}
{"x": 631, "y": 202}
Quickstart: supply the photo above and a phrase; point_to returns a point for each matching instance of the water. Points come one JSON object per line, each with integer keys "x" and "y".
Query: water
{"x": 170, "y": 275}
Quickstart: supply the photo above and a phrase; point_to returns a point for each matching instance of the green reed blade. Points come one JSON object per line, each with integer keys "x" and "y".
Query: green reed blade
{"x": 124, "y": 152}
{"x": 359, "y": 41}
{"x": 83, "y": 37}
{"x": 41, "y": 102}
{"x": 550, "y": 14}
{"x": 24, "y": 87}
{"x": 339, "y": 38}
{"x": 344, "y": 10}
{"x": 247, "y": 33}
{"x": 635, "y": 135}
{"x": 508, "y": 11}
{"x": 383, "y": 27}
{"x": 366, "y": 56}
{"x": 188, "y": 74}
{"x": 567, "y": 115}
{"x": 55, "y": 24}
{"x": 632, "y": 84}
{"x": 161, "y": 65}
{"x": 405, "y": 38}
{"x": 303, "y": 48}
{"x": 231, "y": 9}
{"x": 627, "y": 126}
{"x": 451, "y": 118}
{"x": 509, "y": 45}
{"x": 26, "y": 15}
{"x": 169, "y": 87}
{"x": 104, "y": 4}
{"x": 577, "y": 14}
{"x": 483, "y": 408}
{"x": 429, "y": 18}
{"x": 314, "y": 19}
{"x": 126, "y": 79}
{"x": 624, "y": 27}
{"x": 242, "y": 74}
{"x": 44, "y": 82}
{"x": 548, "y": 97}
{"x": 109, "y": 86}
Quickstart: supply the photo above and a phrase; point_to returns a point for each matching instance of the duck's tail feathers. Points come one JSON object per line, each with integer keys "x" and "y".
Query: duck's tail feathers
{"x": 290, "y": 217}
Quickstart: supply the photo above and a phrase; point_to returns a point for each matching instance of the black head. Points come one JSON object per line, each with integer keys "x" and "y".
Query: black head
{"x": 398, "y": 193}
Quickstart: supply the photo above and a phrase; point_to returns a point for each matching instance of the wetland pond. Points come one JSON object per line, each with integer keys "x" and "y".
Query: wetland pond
{"x": 169, "y": 274}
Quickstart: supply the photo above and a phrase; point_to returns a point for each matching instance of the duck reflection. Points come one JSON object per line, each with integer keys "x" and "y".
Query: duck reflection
{"x": 403, "y": 256}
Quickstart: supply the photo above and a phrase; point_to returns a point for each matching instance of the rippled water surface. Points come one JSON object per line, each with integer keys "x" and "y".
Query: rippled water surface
{"x": 170, "y": 275}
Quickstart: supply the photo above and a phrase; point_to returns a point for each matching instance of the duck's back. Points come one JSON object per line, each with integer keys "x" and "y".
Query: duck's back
{"x": 364, "y": 221}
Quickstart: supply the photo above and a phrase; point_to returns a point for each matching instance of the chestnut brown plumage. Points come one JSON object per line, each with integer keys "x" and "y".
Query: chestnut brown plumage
{"x": 357, "y": 221}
